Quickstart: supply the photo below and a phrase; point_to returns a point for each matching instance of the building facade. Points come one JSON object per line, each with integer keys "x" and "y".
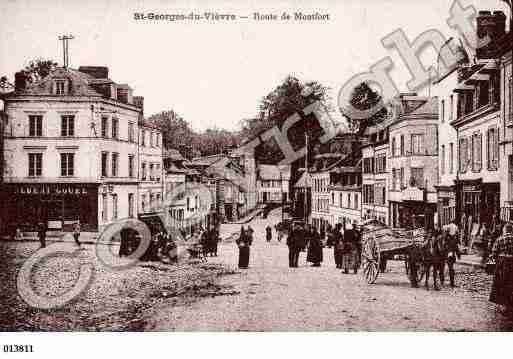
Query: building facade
{"x": 70, "y": 142}
{"x": 273, "y": 184}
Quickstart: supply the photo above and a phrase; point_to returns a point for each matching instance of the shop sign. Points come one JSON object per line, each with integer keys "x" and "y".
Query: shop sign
{"x": 50, "y": 189}
{"x": 472, "y": 188}
{"x": 413, "y": 194}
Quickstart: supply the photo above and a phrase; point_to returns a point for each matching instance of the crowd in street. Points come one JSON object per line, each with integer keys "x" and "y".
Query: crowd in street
{"x": 346, "y": 244}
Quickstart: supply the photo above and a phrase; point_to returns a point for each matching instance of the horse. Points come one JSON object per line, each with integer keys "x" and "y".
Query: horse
{"x": 433, "y": 256}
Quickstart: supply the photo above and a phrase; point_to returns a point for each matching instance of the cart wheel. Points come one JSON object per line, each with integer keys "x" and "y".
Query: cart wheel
{"x": 370, "y": 260}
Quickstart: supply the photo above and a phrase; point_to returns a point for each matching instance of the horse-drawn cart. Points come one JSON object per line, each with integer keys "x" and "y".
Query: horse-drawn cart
{"x": 380, "y": 243}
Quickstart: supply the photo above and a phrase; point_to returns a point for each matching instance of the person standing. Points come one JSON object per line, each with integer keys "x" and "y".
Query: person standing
{"x": 41, "y": 234}
{"x": 314, "y": 254}
{"x": 349, "y": 256}
{"x": 502, "y": 253}
{"x": 452, "y": 249}
{"x": 293, "y": 244}
{"x": 268, "y": 233}
{"x": 338, "y": 245}
{"x": 76, "y": 232}
{"x": 244, "y": 242}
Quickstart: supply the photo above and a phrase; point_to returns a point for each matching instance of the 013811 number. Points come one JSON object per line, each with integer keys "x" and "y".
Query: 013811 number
{"x": 15, "y": 348}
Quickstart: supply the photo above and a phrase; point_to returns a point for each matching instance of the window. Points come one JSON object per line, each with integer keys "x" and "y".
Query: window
{"x": 157, "y": 141}
{"x": 401, "y": 175}
{"x": 131, "y": 166}
{"x": 151, "y": 139}
{"x": 105, "y": 127}
{"x": 143, "y": 170}
{"x": 379, "y": 194}
{"x": 511, "y": 98}
{"x": 143, "y": 138}
{"x": 356, "y": 201}
{"x": 484, "y": 94}
{"x": 463, "y": 162}
{"x": 368, "y": 165}
{"x": 394, "y": 150}
{"x": 104, "y": 164}
{"x": 130, "y": 205}
{"x": 152, "y": 173}
{"x": 143, "y": 202}
{"x": 188, "y": 204}
{"x": 381, "y": 164}
{"x": 67, "y": 164}
{"x": 104, "y": 208}
{"x": 442, "y": 111}
{"x": 394, "y": 179}
{"x": 417, "y": 175}
{"x": 368, "y": 194}
{"x": 402, "y": 145}
{"x": 114, "y": 169}
{"x": 60, "y": 87}
{"x": 35, "y": 164}
{"x": 340, "y": 200}
{"x": 451, "y": 157}
{"x": 477, "y": 153}
{"x": 492, "y": 149}
{"x": 417, "y": 144}
{"x": 114, "y": 206}
{"x": 442, "y": 160}
{"x": 68, "y": 126}
{"x": 131, "y": 132}
{"x": 349, "y": 200}
{"x": 451, "y": 108}
{"x": 115, "y": 127}
{"x": 35, "y": 125}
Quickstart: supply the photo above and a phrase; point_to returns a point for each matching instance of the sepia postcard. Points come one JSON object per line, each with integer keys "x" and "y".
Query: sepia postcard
{"x": 243, "y": 166}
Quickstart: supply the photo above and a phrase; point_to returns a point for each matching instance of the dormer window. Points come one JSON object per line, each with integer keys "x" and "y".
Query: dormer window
{"x": 60, "y": 87}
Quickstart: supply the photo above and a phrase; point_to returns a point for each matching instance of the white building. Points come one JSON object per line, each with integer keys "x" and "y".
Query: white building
{"x": 273, "y": 183}
{"x": 71, "y": 150}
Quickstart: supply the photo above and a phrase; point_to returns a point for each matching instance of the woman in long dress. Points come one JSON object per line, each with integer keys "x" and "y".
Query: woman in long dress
{"x": 314, "y": 254}
{"x": 350, "y": 251}
{"x": 244, "y": 243}
{"x": 502, "y": 253}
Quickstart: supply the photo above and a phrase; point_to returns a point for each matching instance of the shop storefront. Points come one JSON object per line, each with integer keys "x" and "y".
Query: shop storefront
{"x": 478, "y": 200}
{"x": 446, "y": 204}
{"x": 59, "y": 205}
{"x": 412, "y": 214}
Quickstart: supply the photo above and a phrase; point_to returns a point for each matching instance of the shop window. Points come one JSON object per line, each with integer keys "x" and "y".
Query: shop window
{"x": 35, "y": 125}
{"x": 35, "y": 167}
{"x": 68, "y": 126}
{"x": 67, "y": 164}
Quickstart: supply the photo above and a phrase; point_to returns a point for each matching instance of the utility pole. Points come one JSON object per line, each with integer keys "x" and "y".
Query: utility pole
{"x": 65, "y": 53}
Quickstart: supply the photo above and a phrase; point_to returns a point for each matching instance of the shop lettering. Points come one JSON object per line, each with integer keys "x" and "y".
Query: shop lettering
{"x": 51, "y": 190}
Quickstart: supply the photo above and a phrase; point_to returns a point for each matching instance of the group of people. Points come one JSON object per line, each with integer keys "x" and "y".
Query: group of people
{"x": 161, "y": 247}
{"x": 204, "y": 242}
{"x": 42, "y": 229}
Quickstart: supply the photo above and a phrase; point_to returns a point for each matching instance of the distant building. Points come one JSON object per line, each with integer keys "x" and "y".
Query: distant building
{"x": 346, "y": 199}
{"x": 273, "y": 184}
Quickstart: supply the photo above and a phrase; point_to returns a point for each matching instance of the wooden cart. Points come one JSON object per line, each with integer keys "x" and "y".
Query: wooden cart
{"x": 380, "y": 243}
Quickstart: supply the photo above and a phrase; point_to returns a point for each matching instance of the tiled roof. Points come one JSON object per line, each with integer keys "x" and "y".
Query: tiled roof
{"x": 274, "y": 172}
{"x": 428, "y": 108}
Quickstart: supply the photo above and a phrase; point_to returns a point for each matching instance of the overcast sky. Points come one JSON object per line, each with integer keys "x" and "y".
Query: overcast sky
{"x": 214, "y": 74}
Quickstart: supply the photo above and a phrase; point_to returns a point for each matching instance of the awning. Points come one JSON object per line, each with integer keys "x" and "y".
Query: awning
{"x": 463, "y": 88}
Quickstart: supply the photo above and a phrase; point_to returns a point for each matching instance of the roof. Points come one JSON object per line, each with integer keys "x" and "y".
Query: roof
{"x": 173, "y": 155}
{"x": 305, "y": 181}
{"x": 274, "y": 172}
{"x": 207, "y": 160}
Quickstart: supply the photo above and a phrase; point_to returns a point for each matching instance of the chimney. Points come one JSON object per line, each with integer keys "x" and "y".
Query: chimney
{"x": 98, "y": 72}
{"x": 20, "y": 81}
{"x": 493, "y": 25}
{"x": 124, "y": 94}
{"x": 139, "y": 102}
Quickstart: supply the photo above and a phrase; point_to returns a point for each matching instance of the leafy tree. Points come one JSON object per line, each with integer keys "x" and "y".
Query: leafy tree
{"x": 38, "y": 69}
{"x": 274, "y": 109}
{"x": 176, "y": 132}
{"x": 364, "y": 98}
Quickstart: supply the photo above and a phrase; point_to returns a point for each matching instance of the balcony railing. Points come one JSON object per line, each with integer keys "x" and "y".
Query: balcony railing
{"x": 507, "y": 211}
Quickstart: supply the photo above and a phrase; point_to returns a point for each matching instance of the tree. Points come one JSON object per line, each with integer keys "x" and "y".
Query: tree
{"x": 364, "y": 98}
{"x": 274, "y": 109}
{"x": 38, "y": 69}
{"x": 176, "y": 132}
